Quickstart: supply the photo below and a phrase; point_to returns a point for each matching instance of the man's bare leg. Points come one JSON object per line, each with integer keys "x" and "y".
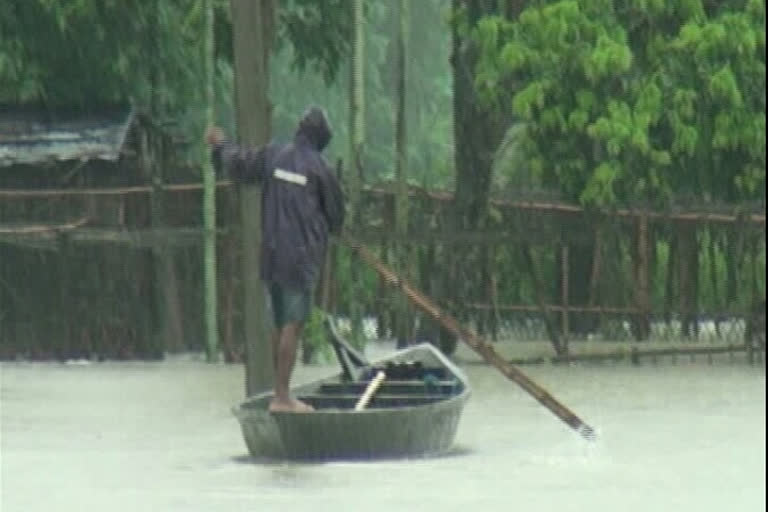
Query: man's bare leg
{"x": 286, "y": 360}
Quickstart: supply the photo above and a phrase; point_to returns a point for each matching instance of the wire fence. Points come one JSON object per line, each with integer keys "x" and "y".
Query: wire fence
{"x": 85, "y": 273}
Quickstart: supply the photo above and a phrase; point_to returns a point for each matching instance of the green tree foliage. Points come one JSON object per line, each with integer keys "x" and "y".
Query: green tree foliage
{"x": 634, "y": 100}
{"x": 319, "y": 33}
{"x": 717, "y": 110}
{"x": 294, "y": 85}
{"x": 87, "y": 53}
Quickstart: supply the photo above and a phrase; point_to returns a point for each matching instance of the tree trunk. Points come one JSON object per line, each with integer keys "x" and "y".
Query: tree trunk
{"x": 356, "y": 146}
{"x": 210, "y": 294}
{"x": 356, "y": 111}
{"x": 402, "y": 254}
{"x": 154, "y": 160}
{"x": 166, "y": 283}
{"x": 253, "y": 27}
{"x": 478, "y": 131}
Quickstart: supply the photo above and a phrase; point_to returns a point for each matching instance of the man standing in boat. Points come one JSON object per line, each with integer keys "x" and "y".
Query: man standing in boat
{"x": 302, "y": 203}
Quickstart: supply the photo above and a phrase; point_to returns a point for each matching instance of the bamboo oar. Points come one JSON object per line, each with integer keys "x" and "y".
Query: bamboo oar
{"x": 476, "y": 343}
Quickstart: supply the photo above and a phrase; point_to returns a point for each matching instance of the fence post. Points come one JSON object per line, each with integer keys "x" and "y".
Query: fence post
{"x": 554, "y": 337}
{"x": 564, "y": 268}
{"x": 642, "y": 276}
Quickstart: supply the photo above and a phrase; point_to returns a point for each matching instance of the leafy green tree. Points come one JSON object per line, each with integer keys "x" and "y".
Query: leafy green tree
{"x": 295, "y": 83}
{"x": 634, "y": 100}
{"x": 479, "y": 125}
{"x": 715, "y": 104}
{"x": 76, "y": 54}
{"x": 88, "y": 53}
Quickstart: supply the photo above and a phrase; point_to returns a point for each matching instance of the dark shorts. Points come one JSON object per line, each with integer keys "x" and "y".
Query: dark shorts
{"x": 289, "y": 305}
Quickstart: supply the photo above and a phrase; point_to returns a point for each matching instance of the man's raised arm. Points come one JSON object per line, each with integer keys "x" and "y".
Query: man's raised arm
{"x": 241, "y": 164}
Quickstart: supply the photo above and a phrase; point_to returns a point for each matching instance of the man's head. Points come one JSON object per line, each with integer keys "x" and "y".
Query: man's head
{"x": 315, "y": 127}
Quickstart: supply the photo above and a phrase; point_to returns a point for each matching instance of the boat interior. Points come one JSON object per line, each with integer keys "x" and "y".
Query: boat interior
{"x": 407, "y": 382}
{"x": 434, "y": 385}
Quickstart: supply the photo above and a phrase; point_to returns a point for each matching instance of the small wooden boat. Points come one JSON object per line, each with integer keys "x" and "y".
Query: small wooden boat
{"x": 415, "y": 411}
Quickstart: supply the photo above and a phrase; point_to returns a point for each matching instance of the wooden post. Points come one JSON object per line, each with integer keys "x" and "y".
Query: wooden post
{"x": 688, "y": 276}
{"x": 540, "y": 302}
{"x": 64, "y": 317}
{"x": 672, "y": 278}
{"x": 402, "y": 321}
{"x": 357, "y": 140}
{"x": 401, "y": 122}
{"x": 210, "y": 294}
{"x": 565, "y": 291}
{"x": 594, "y": 279}
{"x": 231, "y": 283}
{"x": 356, "y": 110}
{"x": 233, "y": 354}
{"x": 716, "y": 296}
{"x": 755, "y": 331}
{"x": 642, "y": 280}
{"x": 252, "y": 31}
{"x": 495, "y": 317}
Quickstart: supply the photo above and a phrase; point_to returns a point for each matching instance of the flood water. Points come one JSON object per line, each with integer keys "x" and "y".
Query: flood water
{"x": 160, "y": 437}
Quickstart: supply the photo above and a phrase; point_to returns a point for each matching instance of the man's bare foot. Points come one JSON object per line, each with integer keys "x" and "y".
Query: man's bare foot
{"x": 291, "y": 405}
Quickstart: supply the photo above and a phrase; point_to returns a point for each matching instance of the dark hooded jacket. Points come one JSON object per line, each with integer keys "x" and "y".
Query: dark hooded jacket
{"x": 301, "y": 199}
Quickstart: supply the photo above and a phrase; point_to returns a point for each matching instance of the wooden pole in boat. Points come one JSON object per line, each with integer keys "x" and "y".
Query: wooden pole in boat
{"x": 479, "y": 345}
{"x": 372, "y": 387}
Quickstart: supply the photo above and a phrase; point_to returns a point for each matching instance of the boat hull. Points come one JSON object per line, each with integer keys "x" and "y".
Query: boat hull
{"x": 416, "y": 429}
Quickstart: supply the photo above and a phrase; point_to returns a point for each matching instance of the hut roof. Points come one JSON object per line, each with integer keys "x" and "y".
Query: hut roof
{"x": 36, "y": 136}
